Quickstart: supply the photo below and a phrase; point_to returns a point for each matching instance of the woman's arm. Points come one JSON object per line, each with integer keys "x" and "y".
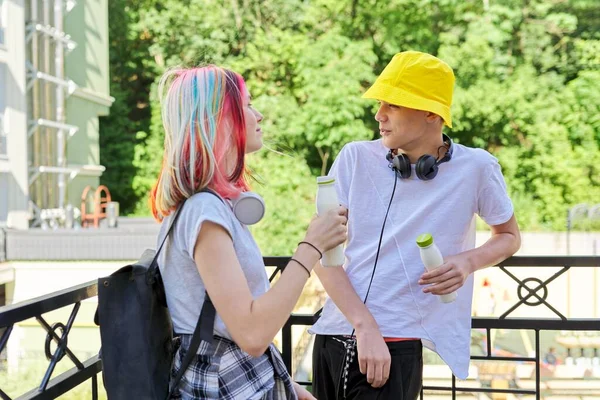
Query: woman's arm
{"x": 253, "y": 323}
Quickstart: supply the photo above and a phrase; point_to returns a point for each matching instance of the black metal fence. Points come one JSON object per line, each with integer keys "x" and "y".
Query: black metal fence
{"x": 529, "y": 296}
{"x": 50, "y": 388}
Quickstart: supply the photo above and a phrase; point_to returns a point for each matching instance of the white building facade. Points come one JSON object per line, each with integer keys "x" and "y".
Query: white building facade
{"x": 52, "y": 92}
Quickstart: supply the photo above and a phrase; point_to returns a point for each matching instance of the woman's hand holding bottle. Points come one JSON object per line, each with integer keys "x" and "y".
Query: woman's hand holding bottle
{"x": 328, "y": 230}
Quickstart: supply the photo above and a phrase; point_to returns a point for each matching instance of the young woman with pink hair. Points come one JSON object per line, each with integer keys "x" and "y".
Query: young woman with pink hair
{"x": 210, "y": 125}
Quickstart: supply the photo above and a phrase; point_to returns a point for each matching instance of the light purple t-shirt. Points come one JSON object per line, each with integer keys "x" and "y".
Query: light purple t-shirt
{"x": 470, "y": 184}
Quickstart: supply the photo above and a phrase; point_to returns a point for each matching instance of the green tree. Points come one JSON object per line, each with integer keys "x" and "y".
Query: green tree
{"x": 131, "y": 74}
{"x": 527, "y": 78}
{"x": 285, "y": 183}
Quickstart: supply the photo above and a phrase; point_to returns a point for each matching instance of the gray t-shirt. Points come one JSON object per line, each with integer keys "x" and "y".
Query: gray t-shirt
{"x": 184, "y": 288}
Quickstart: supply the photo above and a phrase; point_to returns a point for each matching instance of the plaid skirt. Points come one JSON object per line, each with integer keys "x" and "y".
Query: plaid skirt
{"x": 222, "y": 370}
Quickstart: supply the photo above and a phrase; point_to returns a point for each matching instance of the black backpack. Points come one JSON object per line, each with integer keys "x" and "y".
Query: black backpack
{"x": 136, "y": 331}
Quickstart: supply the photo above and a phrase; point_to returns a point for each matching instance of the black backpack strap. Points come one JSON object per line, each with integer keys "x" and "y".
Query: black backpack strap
{"x": 203, "y": 331}
{"x": 154, "y": 265}
{"x": 317, "y": 315}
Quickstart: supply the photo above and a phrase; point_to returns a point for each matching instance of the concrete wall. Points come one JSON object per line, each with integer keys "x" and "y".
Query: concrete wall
{"x": 553, "y": 243}
{"x": 87, "y": 65}
{"x": 13, "y": 164}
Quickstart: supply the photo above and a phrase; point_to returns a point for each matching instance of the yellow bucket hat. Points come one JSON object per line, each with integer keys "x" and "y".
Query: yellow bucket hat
{"x": 416, "y": 80}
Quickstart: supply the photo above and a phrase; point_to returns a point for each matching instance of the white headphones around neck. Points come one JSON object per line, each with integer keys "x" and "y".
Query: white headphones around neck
{"x": 248, "y": 208}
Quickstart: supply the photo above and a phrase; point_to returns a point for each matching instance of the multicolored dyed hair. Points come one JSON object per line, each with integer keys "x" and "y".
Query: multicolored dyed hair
{"x": 205, "y": 136}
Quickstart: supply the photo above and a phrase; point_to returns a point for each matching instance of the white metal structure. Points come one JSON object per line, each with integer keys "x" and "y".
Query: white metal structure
{"x": 46, "y": 87}
{"x": 34, "y": 129}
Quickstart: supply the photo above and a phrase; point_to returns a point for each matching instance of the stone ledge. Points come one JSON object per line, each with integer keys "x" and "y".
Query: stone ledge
{"x": 126, "y": 242}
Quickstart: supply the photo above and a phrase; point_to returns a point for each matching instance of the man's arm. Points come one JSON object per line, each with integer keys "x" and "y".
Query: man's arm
{"x": 373, "y": 354}
{"x": 505, "y": 241}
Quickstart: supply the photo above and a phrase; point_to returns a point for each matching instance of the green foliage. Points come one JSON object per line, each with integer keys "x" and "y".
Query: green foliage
{"x": 288, "y": 189}
{"x": 521, "y": 96}
{"x": 148, "y": 158}
{"x": 528, "y": 74}
{"x": 131, "y": 74}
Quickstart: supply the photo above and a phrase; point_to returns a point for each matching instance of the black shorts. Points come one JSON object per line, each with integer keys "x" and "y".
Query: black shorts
{"x": 404, "y": 383}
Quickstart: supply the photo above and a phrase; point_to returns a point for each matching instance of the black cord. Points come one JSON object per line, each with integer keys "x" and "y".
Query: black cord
{"x": 380, "y": 239}
{"x": 349, "y": 344}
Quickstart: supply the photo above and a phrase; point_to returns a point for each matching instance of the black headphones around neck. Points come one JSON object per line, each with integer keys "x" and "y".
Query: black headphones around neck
{"x": 426, "y": 166}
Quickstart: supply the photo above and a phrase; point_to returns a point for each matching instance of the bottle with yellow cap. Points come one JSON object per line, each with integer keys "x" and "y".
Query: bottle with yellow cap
{"x": 326, "y": 200}
{"x": 432, "y": 259}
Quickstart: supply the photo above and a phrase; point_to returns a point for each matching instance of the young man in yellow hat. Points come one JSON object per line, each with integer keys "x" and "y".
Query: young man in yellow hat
{"x": 382, "y": 306}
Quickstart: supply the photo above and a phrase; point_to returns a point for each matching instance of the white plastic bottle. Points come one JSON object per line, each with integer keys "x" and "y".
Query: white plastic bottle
{"x": 432, "y": 259}
{"x": 326, "y": 200}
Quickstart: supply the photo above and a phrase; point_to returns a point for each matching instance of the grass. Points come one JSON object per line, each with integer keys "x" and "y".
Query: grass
{"x": 28, "y": 375}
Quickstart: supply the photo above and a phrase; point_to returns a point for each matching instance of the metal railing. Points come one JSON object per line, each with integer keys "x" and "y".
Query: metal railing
{"x": 87, "y": 370}
{"x": 35, "y": 308}
{"x": 528, "y": 296}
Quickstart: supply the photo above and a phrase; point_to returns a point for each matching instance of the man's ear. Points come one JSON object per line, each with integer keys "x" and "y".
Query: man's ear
{"x": 432, "y": 118}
